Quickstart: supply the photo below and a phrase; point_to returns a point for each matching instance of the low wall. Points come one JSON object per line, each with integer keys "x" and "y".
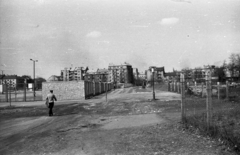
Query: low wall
{"x": 71, "y": 90}
{"x": 64, "y": 90}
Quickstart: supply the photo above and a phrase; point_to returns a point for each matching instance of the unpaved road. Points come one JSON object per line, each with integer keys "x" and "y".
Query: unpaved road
{"x": 128, "y": 123}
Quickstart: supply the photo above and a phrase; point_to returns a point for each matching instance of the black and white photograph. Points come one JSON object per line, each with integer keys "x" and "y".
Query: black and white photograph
{"x": 119, "y": 77}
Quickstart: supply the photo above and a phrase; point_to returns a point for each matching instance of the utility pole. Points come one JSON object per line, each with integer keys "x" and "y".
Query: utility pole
{"x": 34, "y": 95}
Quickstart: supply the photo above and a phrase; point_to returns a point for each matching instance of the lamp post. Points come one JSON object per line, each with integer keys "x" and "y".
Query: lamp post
{"x": 34, "y": 77}
{"x": 152, "y": 69}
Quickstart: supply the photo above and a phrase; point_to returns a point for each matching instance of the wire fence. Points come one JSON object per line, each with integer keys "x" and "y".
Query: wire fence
{"x": 211, "y": 107}
{"x": 20, "y": 92}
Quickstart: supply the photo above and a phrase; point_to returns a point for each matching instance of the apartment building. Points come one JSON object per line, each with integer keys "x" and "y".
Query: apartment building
{"x": 120, "y": 73}
{"x": 12, "y": 81}
{"x": 159, "y": 73}
{"x": 76, "y": 74}
{"x": 101, "y": 75}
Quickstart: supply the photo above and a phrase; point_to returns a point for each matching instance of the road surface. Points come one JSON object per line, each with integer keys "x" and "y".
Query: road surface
{"x": 129, "y": 122}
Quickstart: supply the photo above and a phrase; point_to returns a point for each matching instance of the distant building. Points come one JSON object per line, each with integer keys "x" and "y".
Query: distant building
{"x": 142, "y": 75}
{"x": 101, "y": 75}
{"x": 12, "y": 81}
{"x": 120, "y": 73}
{"x": 102, "y": 71}
{"x": 198, "y": 74}
{"x": 159, "y": 73}
{"x": 171, "y": 76}
{"x": 75, "y": 74}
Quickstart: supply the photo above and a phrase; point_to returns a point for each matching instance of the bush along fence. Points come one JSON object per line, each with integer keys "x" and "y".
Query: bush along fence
{"x": 211, "y": 108}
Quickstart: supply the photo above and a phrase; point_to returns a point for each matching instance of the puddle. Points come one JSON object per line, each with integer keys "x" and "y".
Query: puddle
{"x": 132, "y": 121}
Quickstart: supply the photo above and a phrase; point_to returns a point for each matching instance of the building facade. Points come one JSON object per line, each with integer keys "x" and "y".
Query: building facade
{"x": 96, "y": 77}
{"x": 12, "y": 81}
{"x": 75, "y": 74}
{"x": 120, "y": 73}
{"x": 159, "y": 73}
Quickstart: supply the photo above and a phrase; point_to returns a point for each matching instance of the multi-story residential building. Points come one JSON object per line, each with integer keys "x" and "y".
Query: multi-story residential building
{"x": 12, "y": 81}
{"x": 96, "y": 77}
{"x": 159, "y": 73}
{"x": 142, "y": 75}
{"x": 73, "y": 74}
{"x": 172, "y": 76}
{"x": 101, "y": 75}
{"x": 120, "y": 73}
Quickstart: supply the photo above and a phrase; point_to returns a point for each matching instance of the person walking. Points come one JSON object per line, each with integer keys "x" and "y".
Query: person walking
{"x": 50, "y": 98}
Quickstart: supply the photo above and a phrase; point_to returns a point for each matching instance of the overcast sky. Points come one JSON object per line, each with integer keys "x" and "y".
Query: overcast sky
{"x": 94, "y": 33}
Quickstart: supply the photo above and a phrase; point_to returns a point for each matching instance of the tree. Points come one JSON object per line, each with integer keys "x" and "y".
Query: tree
{"x": 40, "y": 79}
{"x": 28, "y": 77}
{"x": 221, "y": 74}
{"x": 234, "y": 64}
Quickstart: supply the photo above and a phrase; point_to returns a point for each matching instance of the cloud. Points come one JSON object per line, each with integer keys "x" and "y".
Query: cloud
{"x": 169, "y": 21}
{"x": 94, "y": 34}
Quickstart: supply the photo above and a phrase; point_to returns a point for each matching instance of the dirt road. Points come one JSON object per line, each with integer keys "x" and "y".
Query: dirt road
{"x": 127, "y": 123}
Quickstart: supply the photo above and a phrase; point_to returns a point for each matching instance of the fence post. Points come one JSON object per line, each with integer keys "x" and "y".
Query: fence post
{"x": 25, "y": 91}
{"x": 168, "y": 86}
{"x": 15, "y": 94}
{"x": 218, "y": 89}
{"x": 179, "y": 87}
{"x": 195, "y": 83}
{"x": 227, "y": 90}
{"x": 106, "y": 90}
{"x": 6, "y": 85}
{"x": 10, "y": 92}
{"x": 99, "y": 85}
{"x": 202, "y": 90}
{"x": 183, "y": 112}
{"x": 174, "y": 86}
{"x": 209, "y": 99}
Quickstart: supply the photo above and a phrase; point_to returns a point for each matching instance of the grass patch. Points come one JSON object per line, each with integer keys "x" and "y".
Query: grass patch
{"x": 225, "y": 123}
